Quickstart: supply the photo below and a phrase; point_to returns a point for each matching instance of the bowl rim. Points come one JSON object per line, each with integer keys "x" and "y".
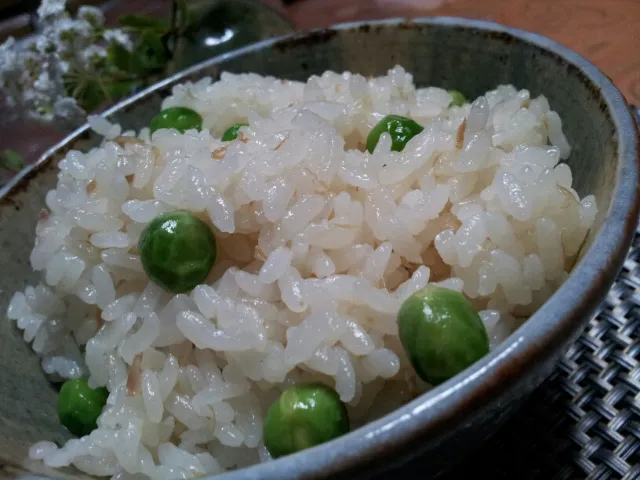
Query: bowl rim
{"x": 555, "y": 323}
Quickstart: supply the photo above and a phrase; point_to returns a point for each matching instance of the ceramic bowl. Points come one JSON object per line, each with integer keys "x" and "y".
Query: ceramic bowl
{"x": 441, "y": 426}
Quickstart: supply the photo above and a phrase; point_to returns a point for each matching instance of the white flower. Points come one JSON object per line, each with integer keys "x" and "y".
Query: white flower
{"x": 70, "y": 34}
{"x": 43, "y": 82}
{"x": 118, "y": 36}
{"x": 93, "y": 53}
{"x": 31, "y": 65}
{"x": 45, "y": 45}
{"x": 8, "y": 55}
{"x": 67, "y": 109}
{"x": 51, "y": 8}
{"x": 33, "y": 72}
{"x": 92, "y": 15}
{"x": 38, "y": 104}
{"x": 8, "y": 60}
{"x": 64, "y": 66}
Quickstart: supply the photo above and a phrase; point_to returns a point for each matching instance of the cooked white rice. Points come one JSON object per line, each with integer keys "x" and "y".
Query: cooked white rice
{"x": 319, "y": 243}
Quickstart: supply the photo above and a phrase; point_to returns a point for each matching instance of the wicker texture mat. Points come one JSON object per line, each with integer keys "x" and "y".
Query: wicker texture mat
{"x": 584, "y": 421}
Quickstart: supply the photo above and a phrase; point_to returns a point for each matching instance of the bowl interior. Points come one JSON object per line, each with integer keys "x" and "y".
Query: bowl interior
{"x": 446, "y": 55}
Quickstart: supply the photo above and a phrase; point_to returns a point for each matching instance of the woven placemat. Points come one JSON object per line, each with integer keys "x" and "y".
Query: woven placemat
{"x": 584, "y": 421}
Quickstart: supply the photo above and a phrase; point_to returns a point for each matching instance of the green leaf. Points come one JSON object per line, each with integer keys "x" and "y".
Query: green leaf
{"x": 11, "y": 160}
{"x": 87, "y": 89}
{"x": 150, "y": 53}
{"x": 183, "y": 14}
{"x": 98, "y": 33}
{"x": 118, "y": 89}
{"x": 119, "y": 57}
{"x": 143, "y": 22}
{"x": 92, "y": 95}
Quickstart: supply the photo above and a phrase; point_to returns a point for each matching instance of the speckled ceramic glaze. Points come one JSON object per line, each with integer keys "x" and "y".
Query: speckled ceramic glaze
{"x": 439, "y": 427}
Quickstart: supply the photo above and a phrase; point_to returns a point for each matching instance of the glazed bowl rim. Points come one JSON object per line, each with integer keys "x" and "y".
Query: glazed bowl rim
{"x": 551, "y": 326}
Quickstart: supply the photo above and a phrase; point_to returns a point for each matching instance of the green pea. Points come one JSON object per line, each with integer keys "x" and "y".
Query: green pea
{"x": 180, "y": 118}
{"x": 79, "y": 406}
{"x": 232, "y": 132}
{"x": 401, "y": 129}
{"x": 457, "y": 98}
{"x": 177, "y": 250}
{"x": 441, "y": 333}
{"x": 304, "y": 416}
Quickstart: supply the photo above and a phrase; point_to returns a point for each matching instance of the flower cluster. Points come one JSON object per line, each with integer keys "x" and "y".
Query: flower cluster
{"x": 56, "y": 74}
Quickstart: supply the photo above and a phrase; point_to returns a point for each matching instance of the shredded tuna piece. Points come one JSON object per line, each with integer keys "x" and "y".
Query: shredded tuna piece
{"x": 259, "y": 254}
{"x": 219, "y": 153}
{"x": 134, "y": 376}
{"x": 99, "y": 320}
{"x": 460, "y": 134}
{"x": 124, "y": 141}
{"x": 280, "y": 144}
